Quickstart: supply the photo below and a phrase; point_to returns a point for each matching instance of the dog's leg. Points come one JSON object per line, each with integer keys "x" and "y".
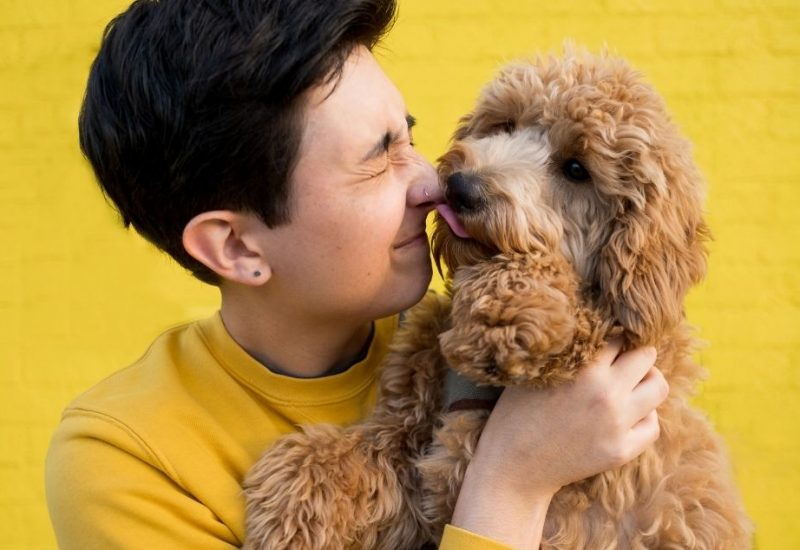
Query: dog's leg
{"x": 321, "y": 488}
{"x": 698, "y": 505}
{"x": 517, "y": 320}
{"x": 336, "y": 488}
{"x": 443, "y": 467}
{"x": 678, "y": 494}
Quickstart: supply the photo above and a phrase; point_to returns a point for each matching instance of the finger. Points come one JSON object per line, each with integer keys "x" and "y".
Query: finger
{"x": 644, "y": 434}
{"x": 609, "y": 352}
{"x": 632, "y": 366}
{"x": 647, "y": 395}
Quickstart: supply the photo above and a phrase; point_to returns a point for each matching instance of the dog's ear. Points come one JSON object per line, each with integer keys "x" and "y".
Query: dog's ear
{"x": 656, "y": 250}
{"x": 466, "y": 125}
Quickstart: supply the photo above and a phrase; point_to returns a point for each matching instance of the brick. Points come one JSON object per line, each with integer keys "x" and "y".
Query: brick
{"x": 12, "y": 79}
{"x": 509, "y": 10}
{"x": 39, "y": 532}
{"x": 783, "y": 117}
{"x": 9, "y": 126}
{"x": 740, "y": 117}
{"x": 704, "y": 35}
{"x": 22, "y": 13}
{"x": 764, "y": 159}
{"x": 750, "y": 281}
{"x": 660, "y": 6}
{"x": 778, "y": 530}
{"x": 473, "y": 9}
{"x": 47, "y": 81}
{"x": 757, "y": 125}
{"x": 783, "y": 34}
{"x": 627, "y": 36}
{"x": 524, "y": 37}
{"x": 411, "y": 37}
{"x": 44, "y": 124}
{"x": 15, "y": 527}
{"x": 758, "y": 7}
{"x": 477, "y": 38}
{"x": 11, "y": 374}
{"x": 9, "y": 48}
{"x": 93, "y": 15}
{"x": 447, "y": 8}
{"x": 771, "y": 437}
{"x": 759, "y": 74}
{"x": 675, "y": 76}
{"x": 725, "y": 364}
{"x": 766, "y": 208}
{"x": 37, "y": 440}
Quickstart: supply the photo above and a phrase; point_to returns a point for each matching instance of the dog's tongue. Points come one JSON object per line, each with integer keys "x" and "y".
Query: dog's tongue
{"x": 452, "y": 220}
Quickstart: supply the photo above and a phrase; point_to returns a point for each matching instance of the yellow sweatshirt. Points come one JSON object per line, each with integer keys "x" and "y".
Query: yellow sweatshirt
{"x": 153, "y": 456}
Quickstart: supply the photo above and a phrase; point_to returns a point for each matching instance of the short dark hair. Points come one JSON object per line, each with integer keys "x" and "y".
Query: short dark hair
{"x": 195, "y": 105}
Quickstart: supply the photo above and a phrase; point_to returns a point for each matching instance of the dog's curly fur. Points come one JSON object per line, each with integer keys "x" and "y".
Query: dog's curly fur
{"x": 557, "y": 261}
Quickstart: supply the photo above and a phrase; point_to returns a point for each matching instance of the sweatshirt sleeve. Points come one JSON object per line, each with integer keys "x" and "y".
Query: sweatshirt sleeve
{"x": 107, "y": 489}
{"x": 455, "y": 538}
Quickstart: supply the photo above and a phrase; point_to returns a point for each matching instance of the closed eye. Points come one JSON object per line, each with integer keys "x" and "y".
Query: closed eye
{"x": 385, "y": 167}
{"x": 411, "y": 121}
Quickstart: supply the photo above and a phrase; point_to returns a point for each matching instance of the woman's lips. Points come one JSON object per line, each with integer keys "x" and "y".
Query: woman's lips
{"x": 452, "y": 220}
{"x": 419, "y": 238}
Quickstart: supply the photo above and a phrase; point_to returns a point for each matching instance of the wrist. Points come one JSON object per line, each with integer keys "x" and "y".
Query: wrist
{"x": 492, "y": 506}
{"x": 526, "y": 476}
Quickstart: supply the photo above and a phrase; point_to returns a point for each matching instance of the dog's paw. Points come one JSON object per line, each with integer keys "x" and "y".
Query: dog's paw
{"x": 320, "y": 489}
{"x": 331, "y": 488}
{"x": 512, "y": 317}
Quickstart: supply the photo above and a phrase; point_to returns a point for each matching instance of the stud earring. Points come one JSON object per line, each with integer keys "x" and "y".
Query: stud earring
{"x": 256, "y": 274}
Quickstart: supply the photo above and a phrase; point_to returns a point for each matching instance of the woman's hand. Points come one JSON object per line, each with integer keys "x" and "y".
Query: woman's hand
{"x": 537, "y": 441}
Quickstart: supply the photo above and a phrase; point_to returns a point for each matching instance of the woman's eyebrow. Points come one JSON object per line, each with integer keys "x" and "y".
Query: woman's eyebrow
{"x": 382, "y": 145}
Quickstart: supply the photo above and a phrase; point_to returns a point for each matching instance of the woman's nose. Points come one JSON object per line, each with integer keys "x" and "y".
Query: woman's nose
{"x": 426, "y": 190}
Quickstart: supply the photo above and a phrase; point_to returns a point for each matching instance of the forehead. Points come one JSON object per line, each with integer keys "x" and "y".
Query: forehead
{"x": 353, "y": 110}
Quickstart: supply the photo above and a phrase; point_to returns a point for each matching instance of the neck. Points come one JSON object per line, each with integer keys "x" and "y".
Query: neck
{"x": 286, "y": 341}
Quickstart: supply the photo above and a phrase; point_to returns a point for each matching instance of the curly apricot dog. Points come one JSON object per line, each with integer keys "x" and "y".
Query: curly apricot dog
{"x": 573, "y": 212}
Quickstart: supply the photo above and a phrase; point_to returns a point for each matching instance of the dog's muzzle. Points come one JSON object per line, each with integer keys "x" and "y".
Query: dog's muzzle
{"x": 464, "y": 192}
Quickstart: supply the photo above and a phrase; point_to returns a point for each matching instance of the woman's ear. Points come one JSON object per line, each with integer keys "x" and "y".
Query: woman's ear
{"x": 226, "y": 242}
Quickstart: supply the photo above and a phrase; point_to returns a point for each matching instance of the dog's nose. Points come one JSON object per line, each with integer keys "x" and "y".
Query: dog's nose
{"x": 463, "y": 192}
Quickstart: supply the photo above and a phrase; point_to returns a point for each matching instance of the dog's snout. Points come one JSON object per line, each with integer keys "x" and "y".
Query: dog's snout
{"x": 464, "y": 192}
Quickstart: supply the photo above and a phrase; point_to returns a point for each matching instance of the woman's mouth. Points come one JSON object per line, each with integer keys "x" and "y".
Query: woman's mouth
{"x": 419, "y": 239}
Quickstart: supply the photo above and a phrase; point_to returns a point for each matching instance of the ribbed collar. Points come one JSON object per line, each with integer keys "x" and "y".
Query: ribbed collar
{"x": 288, "y": 390}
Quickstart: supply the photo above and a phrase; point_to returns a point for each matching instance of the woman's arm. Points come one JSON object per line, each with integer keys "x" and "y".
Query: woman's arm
{"x": 107, "y": 489}
{"x": 537, "y": 441}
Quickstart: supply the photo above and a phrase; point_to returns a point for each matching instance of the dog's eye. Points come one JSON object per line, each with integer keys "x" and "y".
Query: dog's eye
{"x": 507, "y": 126}
{"x": 575, "y": 171}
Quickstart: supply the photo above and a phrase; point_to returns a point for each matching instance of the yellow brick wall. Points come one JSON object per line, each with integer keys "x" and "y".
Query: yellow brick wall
{"x": 81, "y": 297}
